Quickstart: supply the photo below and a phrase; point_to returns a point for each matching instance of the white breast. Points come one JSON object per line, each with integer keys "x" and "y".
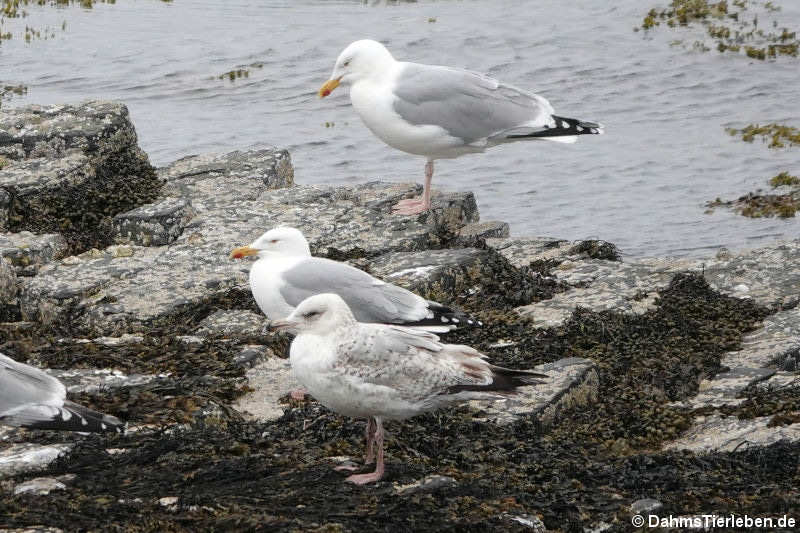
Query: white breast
{"x": 266, "y": 282}
{"x": 373, "y": 101}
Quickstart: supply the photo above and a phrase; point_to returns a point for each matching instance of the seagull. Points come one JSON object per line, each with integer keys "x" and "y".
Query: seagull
{"x": 442, "y": 112}
{"x": 285, "y": 274}
{"x": 380, "y": 371}
{"x": 32, "y": 398}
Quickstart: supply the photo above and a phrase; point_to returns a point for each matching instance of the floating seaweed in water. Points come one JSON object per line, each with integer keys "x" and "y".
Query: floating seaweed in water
{"x": 239, "y": 72}
{"x": 732, "y": 31}
{"x": 778, "y": 135}
{"x": 758, "y": 204}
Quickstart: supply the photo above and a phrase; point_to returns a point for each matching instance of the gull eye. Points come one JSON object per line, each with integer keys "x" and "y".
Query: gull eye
{"x": 347, "y": 63}
{"x": 310, "y": 314}
{"x": 273, "y": 241}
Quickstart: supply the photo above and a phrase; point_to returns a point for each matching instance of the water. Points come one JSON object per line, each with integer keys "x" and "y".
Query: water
{"x": 641, "y": 186}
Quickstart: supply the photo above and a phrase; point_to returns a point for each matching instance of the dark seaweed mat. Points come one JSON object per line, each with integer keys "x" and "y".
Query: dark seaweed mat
{"x": 584, "y": 470}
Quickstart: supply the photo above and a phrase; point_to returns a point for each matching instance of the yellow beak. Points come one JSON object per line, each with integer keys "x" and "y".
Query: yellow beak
{"x": 243, "y": 251}
{"x": 327, "y": 88}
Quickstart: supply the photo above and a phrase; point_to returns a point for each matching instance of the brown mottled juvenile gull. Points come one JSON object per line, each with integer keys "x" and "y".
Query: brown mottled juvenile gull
{"x": 379, "y": 371}
{"x": 442, "y": 112}
{"x": 32, "y": 398}
{"x": 285, "y": 274}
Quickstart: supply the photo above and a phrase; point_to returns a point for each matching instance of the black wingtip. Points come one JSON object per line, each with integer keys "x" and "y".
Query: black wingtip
{"x": 564, "y": 127}
{"x": 74, "y": 417}
{"x": 504, "y": 380}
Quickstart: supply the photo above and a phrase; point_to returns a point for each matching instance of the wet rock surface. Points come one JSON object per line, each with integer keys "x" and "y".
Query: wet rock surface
{"x": 27, "y": 252}
{"x": 70, "y": 168}
{"x": 647, "y": 359}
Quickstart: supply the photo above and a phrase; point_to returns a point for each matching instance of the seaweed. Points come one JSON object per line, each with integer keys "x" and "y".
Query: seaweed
{"x": 219, "y": 472}
{"x": 728, "y": 26}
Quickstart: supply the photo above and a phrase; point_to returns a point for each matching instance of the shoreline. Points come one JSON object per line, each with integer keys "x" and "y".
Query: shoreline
{"x": 661, "y": 370}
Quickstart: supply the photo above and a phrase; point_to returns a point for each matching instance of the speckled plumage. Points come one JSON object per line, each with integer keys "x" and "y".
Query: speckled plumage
{"x": 383, "y": 371}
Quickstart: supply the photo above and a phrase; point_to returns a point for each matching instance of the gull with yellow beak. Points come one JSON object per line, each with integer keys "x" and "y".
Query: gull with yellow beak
{"x": 442, "y": 112}
{"x": 285, "y": 274}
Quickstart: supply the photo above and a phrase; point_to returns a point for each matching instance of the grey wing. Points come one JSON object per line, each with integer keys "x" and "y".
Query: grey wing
{"x": 22, "y": 384}
{"x": 370, "y": 299}
{"x": 466, "y": 104}
{"x": 412, "y": 362}
{"x": 30, "y": 397}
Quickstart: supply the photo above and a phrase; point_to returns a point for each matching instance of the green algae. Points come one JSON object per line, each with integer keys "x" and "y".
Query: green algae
{"x": 762, "y": 205}
{"x": 239, "y": 72}
{"x": 3, "y": 162}
{"x": 759, "y": 204}
{"x": 732, "y": 27}
{"x": 776, "y": 135}
{"x": 784, "y": 179}
{"x": 9, "y": 91}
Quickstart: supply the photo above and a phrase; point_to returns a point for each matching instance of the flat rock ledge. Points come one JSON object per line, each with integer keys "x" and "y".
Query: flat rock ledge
{"x": 69, "y": 168}
{"x": 764, "y": 352}
{"x": 129, "y": 288}
{"x": 160, "y": 261}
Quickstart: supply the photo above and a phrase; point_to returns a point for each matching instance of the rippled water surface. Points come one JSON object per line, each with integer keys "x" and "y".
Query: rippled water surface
{"x": 641, "y": 186}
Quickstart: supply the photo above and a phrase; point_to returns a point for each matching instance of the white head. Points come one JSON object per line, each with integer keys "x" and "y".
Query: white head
{"x": 360, "y": 60}
{"x": 318, "y": 314}
{"x": 281, "y": 241}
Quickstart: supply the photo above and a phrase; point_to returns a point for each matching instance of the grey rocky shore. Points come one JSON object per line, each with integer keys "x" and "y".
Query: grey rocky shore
{"x": 99, "y": 250}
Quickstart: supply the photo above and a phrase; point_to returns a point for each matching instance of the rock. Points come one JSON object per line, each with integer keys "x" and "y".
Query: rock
{"x": 522, "y": 252}
{"x": 27, "y": 252}
{"x": 33, "y": 529}
{"x": 760, "y": 274}
{"x": 92, "y": 380}
{"x": 491, "y": 229}
{"x": 531, "y": 522}
{"x": 27, "y": 457}
{"x": 40, "y": 486}
{"x": 774, "y": 341}
{"x": 106, "y": 293}
{"x": 646, "y": 505}
{"x": 252, "y": 355}
{"x": 724, "y": 388}
{"x": 428, "y": 484}
{"x": 8, "y": 283}
{"x": 435, "y": 271}
{"x": 236, "y": 324}
{"x": 71, "y": 168}
{"x": 717, "y": 433}
{"x": 599, "y": 285}
{"x": 572, "y": 382}
{"x": 270, "y": 380}
{"x": 153, "y": 224}
{"x": 170, "y": 502}
{"x": 220, "y": 181}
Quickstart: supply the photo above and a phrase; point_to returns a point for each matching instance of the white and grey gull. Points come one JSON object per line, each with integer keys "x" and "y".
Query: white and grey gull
{"x": 385, "y": 372}
{"x": 285, "y": 273}
{"x": 32, "y": 398}
{"x": 441, "y": 112}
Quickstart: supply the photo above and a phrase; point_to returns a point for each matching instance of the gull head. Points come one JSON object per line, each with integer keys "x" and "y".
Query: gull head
{"x": 278, "y": 242}
{"x": 319, "y": 314}
{"x": 360, "y": 60}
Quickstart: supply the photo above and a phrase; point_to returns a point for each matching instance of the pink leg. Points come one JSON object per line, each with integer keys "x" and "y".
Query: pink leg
{"x": 370, "y": 441}
{"x": 370, "y": 434}
{"x": 414, "y": 206}
{"x": 363, "y": 479}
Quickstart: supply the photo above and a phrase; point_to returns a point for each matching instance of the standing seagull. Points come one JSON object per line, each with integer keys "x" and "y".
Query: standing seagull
{"x": 285, "y": 274}
{"x": 32, "y": 398}
{"x": 378, "y": 371}
{"x": 442, "y": 112}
